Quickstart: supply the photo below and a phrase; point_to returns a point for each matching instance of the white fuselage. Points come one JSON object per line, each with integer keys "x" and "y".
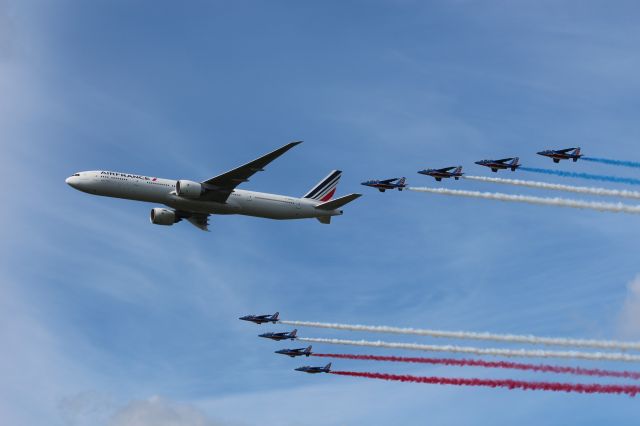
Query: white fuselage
{"x": 156, "y": 190}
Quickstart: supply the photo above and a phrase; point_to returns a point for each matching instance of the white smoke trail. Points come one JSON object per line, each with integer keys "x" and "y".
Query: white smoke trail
{"x": 557, "y": 187}
{"x": 513, "y": 338}
{"x": 559, "y": 202}
{"x": 537, "y": 353}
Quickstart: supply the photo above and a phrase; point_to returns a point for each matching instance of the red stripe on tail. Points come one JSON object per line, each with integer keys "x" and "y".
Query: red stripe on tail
{"x": 329, "y": 195}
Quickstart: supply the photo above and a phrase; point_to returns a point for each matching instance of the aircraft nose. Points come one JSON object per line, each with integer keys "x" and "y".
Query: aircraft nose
{"x": 72, "y": 181}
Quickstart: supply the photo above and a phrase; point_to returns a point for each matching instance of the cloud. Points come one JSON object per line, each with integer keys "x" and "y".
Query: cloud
{"x": 629, "y": 319}
{"x": 157, "y": 411}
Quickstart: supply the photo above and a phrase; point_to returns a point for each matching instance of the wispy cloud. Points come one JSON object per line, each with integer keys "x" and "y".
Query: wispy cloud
{"x": 157, "y": 411}
{"x": 629, "y": 318}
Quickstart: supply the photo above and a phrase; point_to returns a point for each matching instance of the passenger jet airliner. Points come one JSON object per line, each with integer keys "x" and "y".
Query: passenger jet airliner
{"x": 196, "y": 201}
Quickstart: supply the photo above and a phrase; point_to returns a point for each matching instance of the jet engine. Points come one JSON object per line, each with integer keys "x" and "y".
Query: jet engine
{"x": 160, "y": 216}
{"x": 189, "y": 189}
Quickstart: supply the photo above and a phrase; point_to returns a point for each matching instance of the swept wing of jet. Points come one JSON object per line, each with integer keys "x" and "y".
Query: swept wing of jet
{"x": 562, "y": 154}
{"x": 502, "y": 164}
{"x": 315, "y": 370}
{"x": 445, "y": 173}
{"x": 218, "y": 188}
{"x": 261, "y": 319}
{"x": 295, "y": 352}
{"x": 383, "y": 185}
{"x": 280, "y": 336}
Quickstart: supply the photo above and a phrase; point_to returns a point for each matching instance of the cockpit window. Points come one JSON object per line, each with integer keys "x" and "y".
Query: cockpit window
{"x": 76, "y": 174}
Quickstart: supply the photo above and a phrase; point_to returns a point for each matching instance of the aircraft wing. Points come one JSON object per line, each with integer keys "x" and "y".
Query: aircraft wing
{"x": 200, "y": 220}
{"x": 219, "y": 187}
{"x": 503, "y": 160}
{"x": 564, "y": 151}
{"x": 446, "y": 169}
{"x": 388, "y": 180}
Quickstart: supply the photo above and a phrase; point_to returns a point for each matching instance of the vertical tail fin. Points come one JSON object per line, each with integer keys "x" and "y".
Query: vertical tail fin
{"x": 293, "y": 334}
{"x": 325, "y": 189}
{"x": 327, "y": 367}
{"x": 457, "y": 170}
{"x": 274, "y": 317}
{"x": 576, "y": 151}
{"x": 402, "y": 181}
{"x": 307, "y": 351}
{"x": 514, "y": 164}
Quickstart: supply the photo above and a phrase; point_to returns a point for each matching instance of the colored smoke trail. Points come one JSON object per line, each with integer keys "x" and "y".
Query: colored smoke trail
{"x": 523, "y": 353}
{"x": 630, "y": 390}
{"x": 513, "y": 338}
{"x": 557, "y": 187}
{"x": 604, "y": 178}
{"x": 558, "y": 202}
{"x": 633, "y": 164}
{"x": 543, "y": 368}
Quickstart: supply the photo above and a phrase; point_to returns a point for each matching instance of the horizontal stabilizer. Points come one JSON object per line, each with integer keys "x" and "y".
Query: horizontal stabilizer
{"x": 338, "y": 202}
{"x": 326, "y": 220}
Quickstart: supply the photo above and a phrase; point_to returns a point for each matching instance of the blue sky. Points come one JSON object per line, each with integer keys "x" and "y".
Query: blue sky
{"x": 109, "y": 320}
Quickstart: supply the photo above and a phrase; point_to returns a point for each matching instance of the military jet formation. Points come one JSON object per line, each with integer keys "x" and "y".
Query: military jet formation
{"x": 511, "y": 163}
{"x": 314, "y": 370}
{"x": 503, "y": 164}
{"x": 295, "y": 352}
{"x": 439, "y": 174}
{"x": 280, "y": 336}
{"x": 562, "y": 154}
{"x": 261, "y": 319}
{"x": 383, "y": 185}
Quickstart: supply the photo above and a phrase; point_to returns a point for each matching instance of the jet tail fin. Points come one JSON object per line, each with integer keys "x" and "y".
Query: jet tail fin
{"x": 324, "y": 190}
{"x": 457, "y": 170}
{"x": 327, "y": 367}
{"x": 293, "y": 333}
{"x": 325, "y": 220}
{"x": 514, "y": 164}
{"x": 402, "y": 181}
{"x": 274, "y": 317}
{"x": 338, "y": 202}
{"x": 307, "y": 351}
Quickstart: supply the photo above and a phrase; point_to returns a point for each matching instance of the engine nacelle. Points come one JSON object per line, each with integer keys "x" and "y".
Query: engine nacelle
{"x": 189, "y": 189}
{"x": 160, "y": 216}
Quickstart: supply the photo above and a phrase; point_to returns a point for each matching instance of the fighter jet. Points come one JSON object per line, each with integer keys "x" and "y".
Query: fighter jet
{"x": 439, "y": 174}
{"x": 261, "y": 319}
{"x": 502, "y": 164}
{"x": 314, "y": 370}
{"x": 280, "y": 336}
{"x": 562, "y": 154}
{"x": 383, "y": 185}
{"x": 295, "y": 352}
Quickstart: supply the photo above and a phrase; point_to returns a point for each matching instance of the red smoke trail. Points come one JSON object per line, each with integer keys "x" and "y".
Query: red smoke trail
{"x": 506, "y": 383}
{"x": 493, "y": 364}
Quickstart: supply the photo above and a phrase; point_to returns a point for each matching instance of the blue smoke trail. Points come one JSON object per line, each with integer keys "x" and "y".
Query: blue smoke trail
{"x": 605, "y": 178}
{"x": 613, "y": 162}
